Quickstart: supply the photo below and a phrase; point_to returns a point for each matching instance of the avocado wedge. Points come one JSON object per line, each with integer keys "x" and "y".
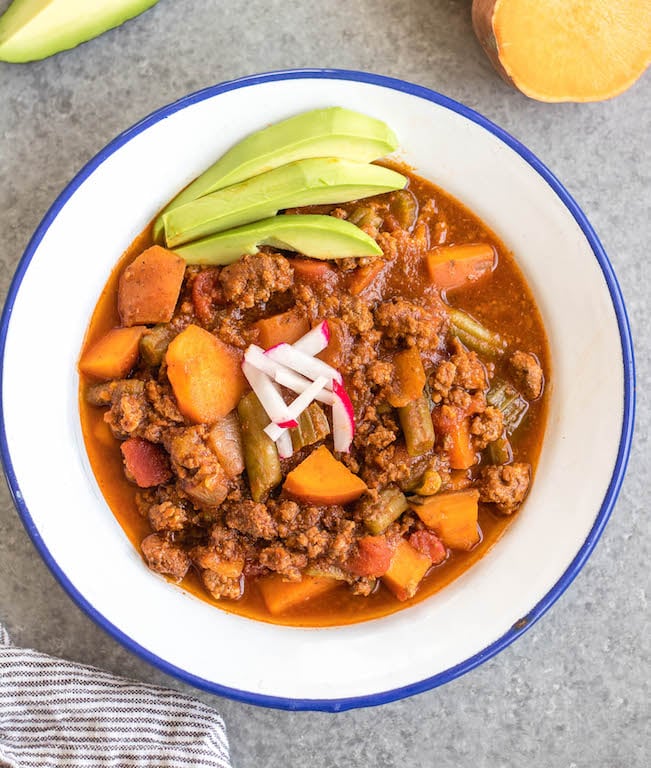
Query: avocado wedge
{"x": 321, "y": 237}
{"x": 34, "y": 29}
{"x": 330, "y": 132}
{"x": 316, "y": 181}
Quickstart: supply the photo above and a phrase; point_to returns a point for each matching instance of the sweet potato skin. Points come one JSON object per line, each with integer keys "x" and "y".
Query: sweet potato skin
{"x": 149, "y": 287}
{"x": 630, "y": 20}
{"x": 482, "y": 23}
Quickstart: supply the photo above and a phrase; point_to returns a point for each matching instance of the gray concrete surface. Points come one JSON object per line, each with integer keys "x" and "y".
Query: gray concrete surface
{"x": 574, "y": 690}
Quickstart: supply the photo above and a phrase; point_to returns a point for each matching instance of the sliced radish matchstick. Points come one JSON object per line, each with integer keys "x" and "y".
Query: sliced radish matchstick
{"x": 297, "y": 383}
{"x": 267, "y": 392}
{"x": 314, "y": 341}
{"x": 296, "y": 408}
{"x": 343, "y": 419}
{"x": 284, "y": 445}
{"x": 298, "y": 361}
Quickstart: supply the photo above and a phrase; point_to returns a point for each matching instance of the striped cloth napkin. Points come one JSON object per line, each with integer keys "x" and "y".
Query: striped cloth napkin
{"x": 59, "y": 714}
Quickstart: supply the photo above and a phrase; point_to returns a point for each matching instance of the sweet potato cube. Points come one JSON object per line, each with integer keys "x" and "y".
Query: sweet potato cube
{"x": 407, "y": 569}
{"x": 362, "y": 277}
{"x": 409, "y": 378}
{"x": 454, "y": 266}
{"x": 453, "y": 517}
{"x": 321, "y": 479}
{"x": 205, "y": 374}
{"x": 149, "y": 287}
{"x": 286, "y": 328}
{"x": 279, "y": 596}
{"x": 114, "y": 355}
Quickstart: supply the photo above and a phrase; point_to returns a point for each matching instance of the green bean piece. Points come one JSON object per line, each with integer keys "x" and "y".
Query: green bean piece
{"x": 416, "y": 422}
{"x": 260, "y": 453}
{"x": 154, "y": 344}
{"x": 326, "y": 571}
{"x": 404, "y": 207}
{"x": 499, "y": 452}
{"x": 507, "y": 399}
{"x": 429, "y": 484}
{"x": 379, "y": 513}
{"x": 367, "y": 218}
{"x": 474, "y": 335}
{"x": 312, "y": 427}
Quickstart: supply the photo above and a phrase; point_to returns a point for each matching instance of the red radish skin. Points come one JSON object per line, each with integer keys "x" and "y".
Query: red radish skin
{"x": 288, "y": 424}
{"x": 146, "y": 463}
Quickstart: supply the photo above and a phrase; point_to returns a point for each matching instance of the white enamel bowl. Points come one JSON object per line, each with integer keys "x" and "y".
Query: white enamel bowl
{"x": 581, "y": 466}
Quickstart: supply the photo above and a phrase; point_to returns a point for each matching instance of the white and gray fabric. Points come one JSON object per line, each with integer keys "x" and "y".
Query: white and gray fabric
{"x": 57, "y": 713}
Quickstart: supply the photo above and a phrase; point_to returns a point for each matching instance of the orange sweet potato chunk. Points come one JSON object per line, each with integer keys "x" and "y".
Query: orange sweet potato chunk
{"x": 279, "y": 596}
{"x": 407, "y": 569}
{"x": 321, "y": 479}
{"x": 149, "y": 287}
{"x": 205, "y": 374}
{"x": 285, "y": 328}
{"x": 453, "y": 517}
{"x": 114, "y": 355}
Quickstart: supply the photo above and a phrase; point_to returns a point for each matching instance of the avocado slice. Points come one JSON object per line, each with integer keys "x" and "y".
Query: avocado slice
{"x": 316, "y": 181}
{"x": 34, "y": 29}
{"x": 321, "y": 237}
{"x": 330, "y": 132}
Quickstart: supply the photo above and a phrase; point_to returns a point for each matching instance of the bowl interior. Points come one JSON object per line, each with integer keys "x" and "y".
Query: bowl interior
{"x": 71, "y": 258}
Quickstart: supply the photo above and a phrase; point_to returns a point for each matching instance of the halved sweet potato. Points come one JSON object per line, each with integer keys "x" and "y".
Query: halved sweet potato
{"x": 566, "y": 50}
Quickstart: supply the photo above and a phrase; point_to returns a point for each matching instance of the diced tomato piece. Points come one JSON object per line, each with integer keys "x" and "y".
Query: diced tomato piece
{"x": 206, "y": 292}
{"x": 429, "y": 544}
{"x": 145, "y": 463}
{"x": 373, "y": 556}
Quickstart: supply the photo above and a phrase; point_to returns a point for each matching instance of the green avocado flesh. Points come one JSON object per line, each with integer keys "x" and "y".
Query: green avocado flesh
{"x": 317, "y": 181}
{"x": 321, "y": 237}
{"x": 331, "y": 132}
{"x": 34, "y": 29}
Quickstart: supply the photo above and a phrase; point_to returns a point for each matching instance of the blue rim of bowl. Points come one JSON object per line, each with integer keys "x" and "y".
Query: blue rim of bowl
{"x": 368, "y": 700}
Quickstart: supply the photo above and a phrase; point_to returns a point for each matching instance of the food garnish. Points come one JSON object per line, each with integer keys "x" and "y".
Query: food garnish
{"x": 296, "y": 367}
